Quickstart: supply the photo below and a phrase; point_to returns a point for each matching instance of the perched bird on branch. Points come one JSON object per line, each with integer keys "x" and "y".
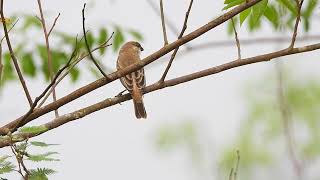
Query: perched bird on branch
{"x": 135, "y": 81}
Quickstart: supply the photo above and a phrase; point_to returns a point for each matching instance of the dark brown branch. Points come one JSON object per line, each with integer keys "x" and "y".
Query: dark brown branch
{"x": 157, "y": 86}
{"x": 87, "y": 44}
{"x": 184, "y": 28}
{"x": 295, "y": 31}
{"x": 120, "y": 73}
{"x": 54, "y": 24}
{"x": 237, "y": 39}
{"x": 163, "y": 23}
{"x": 50, "y": 67}
{"x": 13, "y": 57}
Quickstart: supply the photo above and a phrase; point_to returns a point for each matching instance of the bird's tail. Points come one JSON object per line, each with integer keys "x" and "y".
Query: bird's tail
{"x": 139, "y": 109}
{"x": 138, "y": 103}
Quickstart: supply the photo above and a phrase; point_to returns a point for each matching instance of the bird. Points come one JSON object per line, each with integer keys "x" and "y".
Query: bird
{"x": 134, "y": 82}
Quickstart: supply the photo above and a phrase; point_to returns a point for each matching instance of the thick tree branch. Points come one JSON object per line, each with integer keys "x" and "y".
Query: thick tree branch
{"x": 50, "y": 67}
{"x": 18, "y": 137}
{"x": 184, "y": 28}
{"x": 120, "y": 73}
{"x": 13, "y": 57}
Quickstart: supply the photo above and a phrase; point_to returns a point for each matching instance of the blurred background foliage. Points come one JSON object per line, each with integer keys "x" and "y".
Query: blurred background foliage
{"x": 261, "y": 137}
{"x": 281, "y": 14}
{"x": 32, "y": 53}
{"x": 260, "y": 131}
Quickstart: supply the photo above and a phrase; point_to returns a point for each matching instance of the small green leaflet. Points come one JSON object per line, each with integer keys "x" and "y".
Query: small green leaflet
{"x": 258, "y": 10}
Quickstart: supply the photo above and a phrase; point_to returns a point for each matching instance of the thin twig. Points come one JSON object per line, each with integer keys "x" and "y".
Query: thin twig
{"x": 76, "y": 115}
{"x": 231, "y": 174}
{"x": 237, "y": 39}
{"x": 13, "y": 57}
{"x": 50, "y": 67}
{"x": 154, "y": 57}
{"x": 287, "y": 120}
{"x": 87, "y": 44}
{"x": 103, "y": 45}
{"x": 1, "y": 65}
{"x": 54, "y": 24}
{"x": 235, "y": 173}
{"x": 163, "y": 23}
{"x": 177, "y": 49}
{"x": 14, "y": 24}
{"x": 21, "y": 121}
{"x": 295, "y": 31}
{"x": 171, "y": 25}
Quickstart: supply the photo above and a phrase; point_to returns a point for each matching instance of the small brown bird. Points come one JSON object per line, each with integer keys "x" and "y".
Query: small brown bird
{"x": 134, "y": 82}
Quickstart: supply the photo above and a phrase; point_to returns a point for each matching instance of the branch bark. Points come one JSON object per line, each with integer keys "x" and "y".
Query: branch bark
{"x": 120, "y": 73}
{"x": 18, "y": 137}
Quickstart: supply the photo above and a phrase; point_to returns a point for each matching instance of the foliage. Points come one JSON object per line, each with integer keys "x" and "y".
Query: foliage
{"x": 264, "y": 127}
{"x": 32, "y": 54}
{"x": 22, "y": 151}
{"x": 280, "y": 14}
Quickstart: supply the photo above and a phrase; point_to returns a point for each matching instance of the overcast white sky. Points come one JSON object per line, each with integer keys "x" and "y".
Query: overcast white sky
{"x": 112, "y": 144}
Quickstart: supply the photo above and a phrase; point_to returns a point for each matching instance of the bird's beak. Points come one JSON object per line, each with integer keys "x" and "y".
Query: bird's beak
{"x": 141, "y": 48}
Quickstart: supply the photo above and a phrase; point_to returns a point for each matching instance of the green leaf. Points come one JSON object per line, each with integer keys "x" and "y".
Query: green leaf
{"x": 28, "y": 66}
{"x": 272, "y": 15}
{"x": 31, "y": 21}
{"x": 41, "y": 144}
{"x": 6, "y": 167}
{"x": 103, "y": 36}
{"x": 90, "y": 39}
{"x": 33, "y": 129}
{"x": 232, "y": 3}
{"x": 258, "y": 10}
{"x": 136, "y": 35}
{"x": 40, "y": 173}
{"x": 118, "y": 39}
{"x": 74, "y": 74}
{"x": 59, "y": 59}
{"x": 3, "y": 158}
{"x": 65, "y": 38}
{"x": 42, "y": 157}
{"x": 291, "y": 5}
{"x": 8, "y": 71}
{"x": 312, "y": 4}
{"x": 244, "y": 14}
{"x": 22, "y": 146}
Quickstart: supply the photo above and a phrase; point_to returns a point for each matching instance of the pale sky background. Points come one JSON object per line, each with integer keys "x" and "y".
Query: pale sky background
{"x": 111, "y": 143}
